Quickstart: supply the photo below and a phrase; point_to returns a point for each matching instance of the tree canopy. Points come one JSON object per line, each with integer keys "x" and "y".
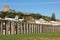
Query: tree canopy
{"x": 53, "y": 17}
{"x": 21, "y": 15}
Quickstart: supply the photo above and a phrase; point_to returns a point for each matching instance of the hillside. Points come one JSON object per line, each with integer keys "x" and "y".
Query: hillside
{"x": 22, "y": 14}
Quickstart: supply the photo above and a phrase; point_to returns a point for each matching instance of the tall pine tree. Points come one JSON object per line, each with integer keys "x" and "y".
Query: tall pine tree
{"x": 53, "y": 17}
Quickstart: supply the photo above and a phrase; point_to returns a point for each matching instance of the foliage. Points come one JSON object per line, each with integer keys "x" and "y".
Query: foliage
{"x": 21, "y": 15}
{"x": 36, "y": 16}
{"x": 53, "y": 17}
{"x": 3, "y": 14}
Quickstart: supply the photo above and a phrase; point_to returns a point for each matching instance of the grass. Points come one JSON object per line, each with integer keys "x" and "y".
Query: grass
{"x": 38, "y": 36}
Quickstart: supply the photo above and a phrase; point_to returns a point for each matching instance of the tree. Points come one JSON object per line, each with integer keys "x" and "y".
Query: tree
{"x": 36, "y": 16}
{"x": 3, "y": 14}
{"x": 53, "y": 17}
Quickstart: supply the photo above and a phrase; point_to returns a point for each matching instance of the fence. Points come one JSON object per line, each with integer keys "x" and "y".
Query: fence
{"x": 11, "y": 27}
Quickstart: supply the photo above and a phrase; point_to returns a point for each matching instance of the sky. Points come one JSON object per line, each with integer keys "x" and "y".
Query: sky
{"x": 44, "y": 7}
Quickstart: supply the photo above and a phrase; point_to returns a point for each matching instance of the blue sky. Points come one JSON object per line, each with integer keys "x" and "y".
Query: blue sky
{"x": 44, "y": 7}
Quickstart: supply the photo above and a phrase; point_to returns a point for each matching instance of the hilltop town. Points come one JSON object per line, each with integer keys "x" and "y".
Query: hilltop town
{"x": 8, "y": 14}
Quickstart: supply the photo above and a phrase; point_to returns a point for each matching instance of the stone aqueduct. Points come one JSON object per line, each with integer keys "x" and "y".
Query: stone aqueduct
{"x": 15, "y": 27}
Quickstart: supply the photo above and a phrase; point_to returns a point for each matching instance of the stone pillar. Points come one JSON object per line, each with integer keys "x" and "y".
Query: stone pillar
{"x": 24, "y": 28}
{"x": 32, "y": 28}
{"x": 40, "y": 28}
{"x": 7, "y": 27}
{"x": 27, "y": 28}
{"x": 1, "y": 28}
{"x": 18, "y": 28}
{"x": 36, "y": 28}
{"x": 12, "y": 27}
{"x": 53, "y": 28}
{"x": 21, "y": 28}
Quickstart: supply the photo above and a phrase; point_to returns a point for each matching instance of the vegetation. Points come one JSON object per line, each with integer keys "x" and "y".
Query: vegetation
{"x": 10, "y": 14}
{"x": 53, "y": 17}
{"x": 36, "y": 16}
{"x": 38, "y": 36}
{"x": 21, "y": 15}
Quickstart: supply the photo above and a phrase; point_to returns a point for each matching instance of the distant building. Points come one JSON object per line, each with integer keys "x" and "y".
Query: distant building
{"x": 6, "y": 8}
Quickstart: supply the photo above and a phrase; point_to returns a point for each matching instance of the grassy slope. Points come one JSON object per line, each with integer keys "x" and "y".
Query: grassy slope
{"x": 40, "y": 36}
